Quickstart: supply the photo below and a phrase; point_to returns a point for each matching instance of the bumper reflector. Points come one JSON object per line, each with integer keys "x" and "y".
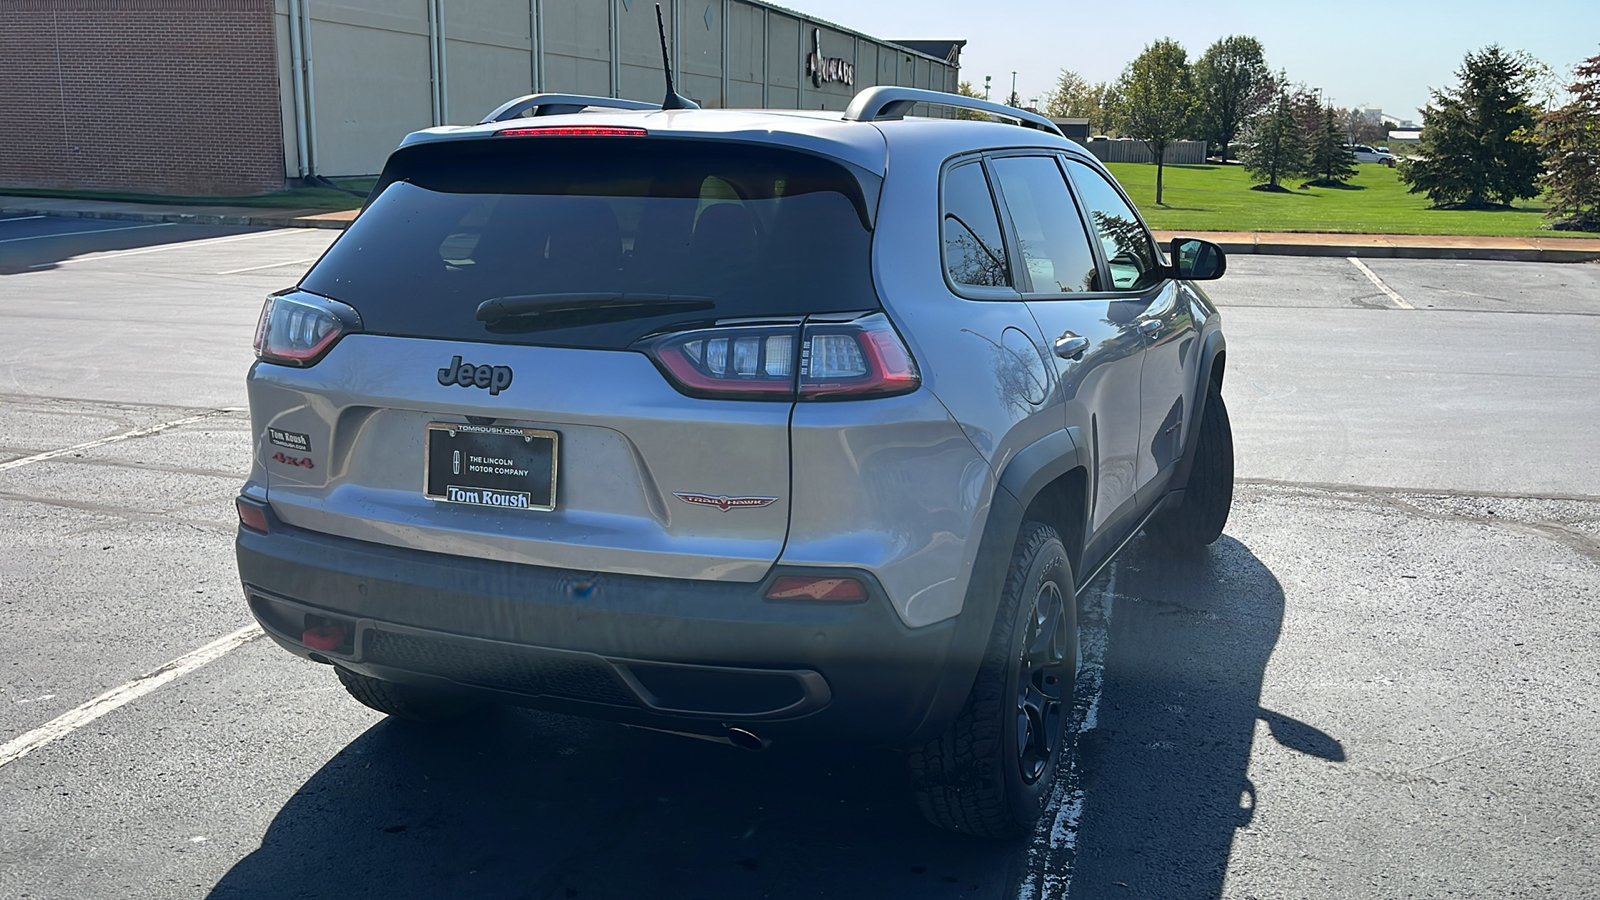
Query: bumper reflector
{"x": 252, "y": 514}
{"x": 820, "y": 589}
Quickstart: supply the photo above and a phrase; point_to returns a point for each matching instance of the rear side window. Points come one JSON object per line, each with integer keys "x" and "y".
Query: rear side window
{"x": 1050, "y": 235}
{"x": 1129, "y": 251}
{"x": 740, "y": 230}
{"x": 974, "y": 252}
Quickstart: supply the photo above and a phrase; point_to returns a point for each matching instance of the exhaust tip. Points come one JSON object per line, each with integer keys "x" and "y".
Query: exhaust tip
{"x": 745, "y": 740}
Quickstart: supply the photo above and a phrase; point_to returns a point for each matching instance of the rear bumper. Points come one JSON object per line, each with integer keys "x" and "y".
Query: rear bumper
{"x": 697, "y": 656}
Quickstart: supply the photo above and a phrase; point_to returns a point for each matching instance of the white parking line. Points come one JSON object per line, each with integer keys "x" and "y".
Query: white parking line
{"x": 1398, "y": 300}
{"x": 277, "y": 265}
{"x": 126, "y": 435}
{"x": 119, "y": 696}
{"x": 40, "y": 237}
{"x": 1055, "y": 838}
{"x": 181, "y": 245}
{"x": 20, "y": 218}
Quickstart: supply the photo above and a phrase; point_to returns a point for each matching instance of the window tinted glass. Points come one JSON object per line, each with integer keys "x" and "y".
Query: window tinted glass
{"x": 974, "y": 252}
{"x": 1050, "y": 234}
{"x": 757, "y": 232}
{"x": 1133, "y": 259}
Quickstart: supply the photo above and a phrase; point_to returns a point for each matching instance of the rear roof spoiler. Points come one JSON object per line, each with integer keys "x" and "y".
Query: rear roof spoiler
{"x": 887, "y": 103}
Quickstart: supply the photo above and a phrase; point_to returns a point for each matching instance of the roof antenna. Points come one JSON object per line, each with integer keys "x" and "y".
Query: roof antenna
{"x": 674, "y": 99}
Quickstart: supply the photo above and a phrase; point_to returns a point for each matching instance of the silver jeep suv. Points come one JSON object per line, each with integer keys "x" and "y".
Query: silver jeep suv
{"x": 745, "y": 424}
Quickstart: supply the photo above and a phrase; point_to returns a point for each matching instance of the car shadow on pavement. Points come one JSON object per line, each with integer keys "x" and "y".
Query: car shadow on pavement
{"x": 1165, "y": 773}
{"x": 517, "y": 804}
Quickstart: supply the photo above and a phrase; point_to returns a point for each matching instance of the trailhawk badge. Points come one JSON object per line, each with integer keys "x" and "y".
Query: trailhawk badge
{"x": 725, "y": 503}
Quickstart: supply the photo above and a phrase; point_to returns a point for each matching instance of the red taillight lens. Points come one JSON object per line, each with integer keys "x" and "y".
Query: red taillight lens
{"x": 572, "y": 131}
{"x": 252, "y": 514}
{"x": 828, "y": 358}
{"x": 298, "y": 329}
{"x": 817, "y": 589}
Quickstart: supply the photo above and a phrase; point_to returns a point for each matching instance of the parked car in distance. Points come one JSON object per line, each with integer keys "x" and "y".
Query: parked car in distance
{"x": 1379, "y": 155}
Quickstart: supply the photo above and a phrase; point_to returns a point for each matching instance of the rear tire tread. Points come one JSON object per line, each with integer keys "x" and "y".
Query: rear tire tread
{"x": 958, "y": 778}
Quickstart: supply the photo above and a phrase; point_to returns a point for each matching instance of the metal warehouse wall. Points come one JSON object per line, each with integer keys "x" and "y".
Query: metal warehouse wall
{"x": 357, "y": 75}
{"x": 152, "y": 96}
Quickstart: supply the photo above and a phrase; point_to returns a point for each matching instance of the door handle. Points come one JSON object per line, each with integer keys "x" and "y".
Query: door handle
{"x": 1149, "y": 327}
{"x": 1071, "y": 346}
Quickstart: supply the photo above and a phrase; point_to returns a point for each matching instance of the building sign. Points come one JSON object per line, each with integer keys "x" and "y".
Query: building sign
{"x": 824, "y": 69}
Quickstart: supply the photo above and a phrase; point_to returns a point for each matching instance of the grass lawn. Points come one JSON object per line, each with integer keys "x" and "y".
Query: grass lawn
{"x": 1218, "y": 198}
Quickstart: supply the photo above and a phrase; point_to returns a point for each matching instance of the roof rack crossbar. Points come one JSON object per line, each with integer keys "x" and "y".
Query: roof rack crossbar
{"x": 886, "y": 103}
{"x": 556, "y": 105}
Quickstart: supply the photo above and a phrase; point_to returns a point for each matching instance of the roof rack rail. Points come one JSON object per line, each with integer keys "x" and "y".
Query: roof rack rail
{"x": 556, "y": 105}
{"x": 885, "y": 103}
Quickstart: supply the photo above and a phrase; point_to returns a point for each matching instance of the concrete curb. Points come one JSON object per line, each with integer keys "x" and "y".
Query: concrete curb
{"x": 1379, "y": 246}
{"x": 265, "y": 219}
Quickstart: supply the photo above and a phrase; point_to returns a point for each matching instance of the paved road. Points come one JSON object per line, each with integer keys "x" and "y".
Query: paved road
{"x": 1380, "y": 683}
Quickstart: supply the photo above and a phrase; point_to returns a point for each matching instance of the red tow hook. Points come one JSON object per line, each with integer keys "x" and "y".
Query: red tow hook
{"x": 323, "y": 634}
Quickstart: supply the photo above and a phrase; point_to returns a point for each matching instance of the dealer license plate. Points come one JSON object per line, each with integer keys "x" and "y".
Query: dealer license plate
{"x": 501, "y": 466}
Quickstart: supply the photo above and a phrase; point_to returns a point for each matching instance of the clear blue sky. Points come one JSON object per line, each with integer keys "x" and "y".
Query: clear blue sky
{"x": 1385, "y": 54}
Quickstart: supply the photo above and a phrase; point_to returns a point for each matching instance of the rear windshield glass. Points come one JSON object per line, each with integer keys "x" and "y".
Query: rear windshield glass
{"x": 740, "y": 230}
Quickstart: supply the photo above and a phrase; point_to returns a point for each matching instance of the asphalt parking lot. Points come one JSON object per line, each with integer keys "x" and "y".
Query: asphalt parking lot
{"x": 1382, "y": 682}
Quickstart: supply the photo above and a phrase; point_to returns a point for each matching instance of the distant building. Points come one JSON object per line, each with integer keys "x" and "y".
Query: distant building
{"x": 1076, "y": 129}
{"x": 221, "y": 97}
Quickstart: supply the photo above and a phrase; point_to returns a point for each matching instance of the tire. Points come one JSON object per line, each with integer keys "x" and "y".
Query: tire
{"x": 404, "y": 701}
{"x": 990, "y": 773}
{"x": 1200, "y": 518}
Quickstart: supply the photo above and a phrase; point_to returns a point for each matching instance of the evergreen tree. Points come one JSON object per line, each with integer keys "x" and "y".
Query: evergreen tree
{"x": 1477, "y": 144}
{"x": 1278, "y": 152}
{"x": 1155, "y": 99}
{"x": 1329, "y": 159}
{"x": 1570, "y": 139}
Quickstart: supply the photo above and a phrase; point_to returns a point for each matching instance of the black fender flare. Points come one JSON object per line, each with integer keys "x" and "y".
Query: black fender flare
{"x": 1212, "y": 346}
{"x": 1024, "y": 476}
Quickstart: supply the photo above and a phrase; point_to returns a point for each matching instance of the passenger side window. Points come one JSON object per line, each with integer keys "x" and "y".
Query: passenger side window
{"x": 974, "y": 252}
{"x": 1050, "y": 234}
{"x": 1134, "y": 263}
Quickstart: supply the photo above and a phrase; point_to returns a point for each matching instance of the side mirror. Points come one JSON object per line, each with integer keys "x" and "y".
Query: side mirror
{"x": 1197, "y": 260}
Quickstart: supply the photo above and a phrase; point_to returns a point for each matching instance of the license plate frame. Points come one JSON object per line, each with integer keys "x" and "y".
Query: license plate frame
{"x": 491, "y": 466}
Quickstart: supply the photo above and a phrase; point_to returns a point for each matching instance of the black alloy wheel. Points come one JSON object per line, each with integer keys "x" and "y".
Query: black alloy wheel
{"x": 1039, "y": 683}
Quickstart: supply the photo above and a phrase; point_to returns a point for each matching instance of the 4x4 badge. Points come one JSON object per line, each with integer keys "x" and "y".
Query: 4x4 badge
{"x": 725, "y": 503}
{"x": 495, "y": 378}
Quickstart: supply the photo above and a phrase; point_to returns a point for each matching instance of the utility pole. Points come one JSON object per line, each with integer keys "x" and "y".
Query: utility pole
{"x": 1012, "y": 100}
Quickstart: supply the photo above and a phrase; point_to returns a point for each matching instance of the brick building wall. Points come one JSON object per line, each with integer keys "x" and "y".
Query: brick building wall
{"x": 155, "y": 96}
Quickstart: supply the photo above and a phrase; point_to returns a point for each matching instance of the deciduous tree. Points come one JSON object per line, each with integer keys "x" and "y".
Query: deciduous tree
{"x": 1076, "y": 97}
{"x": 1570, "y": 139}
{"x": 1277, "y": 151}
{"x": 1156, "y": 102}
{"x": 1234, "y": 85}
{"x": 1477, "y": 145}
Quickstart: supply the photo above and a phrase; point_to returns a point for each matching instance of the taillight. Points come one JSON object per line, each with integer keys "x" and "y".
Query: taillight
{"x": 830, "y": 357}
{"x": 298, "y": 329}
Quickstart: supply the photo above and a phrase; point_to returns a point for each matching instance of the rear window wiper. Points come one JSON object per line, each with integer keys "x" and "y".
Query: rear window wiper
{"x": 609, "y": 306}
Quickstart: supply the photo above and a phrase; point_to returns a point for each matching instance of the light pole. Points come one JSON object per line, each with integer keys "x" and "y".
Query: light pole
{"x": 1013, "y": 97}
{"x": 986, "y": 80}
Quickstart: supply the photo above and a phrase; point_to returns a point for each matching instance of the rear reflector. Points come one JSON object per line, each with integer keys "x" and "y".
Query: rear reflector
{"x": 572, "y": 131}
{"x": 252, "y": 514}
{"x": 820, "y": 589}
